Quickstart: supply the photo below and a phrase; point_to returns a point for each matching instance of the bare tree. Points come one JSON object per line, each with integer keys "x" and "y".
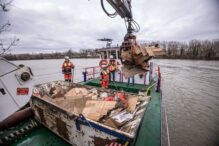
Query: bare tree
{"x": 4, "y": 7}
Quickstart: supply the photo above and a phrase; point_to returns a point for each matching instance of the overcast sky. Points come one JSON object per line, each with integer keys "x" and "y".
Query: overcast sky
{"x": 56, "y": 25}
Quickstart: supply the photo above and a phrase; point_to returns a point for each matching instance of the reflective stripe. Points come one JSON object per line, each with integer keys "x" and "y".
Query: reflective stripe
{"x": 67, "y": 64}
{"x": 104, "y": 72}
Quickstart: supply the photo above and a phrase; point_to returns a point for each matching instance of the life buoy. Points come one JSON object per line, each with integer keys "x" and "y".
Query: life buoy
{"x": 103, "y": 62}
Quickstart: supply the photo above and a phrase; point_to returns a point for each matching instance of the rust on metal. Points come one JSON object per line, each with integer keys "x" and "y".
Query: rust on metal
{"x": 16, "y": 118}
{"x": 41, "y": 114}
{"x": 62, "y": 129}
{"x": 98, "y": 141}
{"x": 50, "y": 105}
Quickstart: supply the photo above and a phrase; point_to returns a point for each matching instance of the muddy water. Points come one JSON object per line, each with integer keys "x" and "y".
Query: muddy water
{"x": 50, "y": 70}
{"x": 190, "y": 92}
{"x": 191, "y": 95}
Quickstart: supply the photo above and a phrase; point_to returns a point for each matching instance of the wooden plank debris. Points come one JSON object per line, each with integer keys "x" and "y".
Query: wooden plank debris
{"x": 94, "y": 110}
{"x": 132, "y": 101}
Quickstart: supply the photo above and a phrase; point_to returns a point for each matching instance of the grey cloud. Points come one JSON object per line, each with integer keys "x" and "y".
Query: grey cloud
{"x": 59, "y": 25}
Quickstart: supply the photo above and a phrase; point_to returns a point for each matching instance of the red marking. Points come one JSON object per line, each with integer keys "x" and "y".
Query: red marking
{"x": 22, "y": 91}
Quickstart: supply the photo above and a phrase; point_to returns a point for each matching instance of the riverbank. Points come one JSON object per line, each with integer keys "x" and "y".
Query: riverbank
{"x": 15, "y": 57}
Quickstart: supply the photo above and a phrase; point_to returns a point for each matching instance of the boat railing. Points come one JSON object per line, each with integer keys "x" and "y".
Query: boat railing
{"x": 94, "y": 72}
{"x": 91, "y": 73}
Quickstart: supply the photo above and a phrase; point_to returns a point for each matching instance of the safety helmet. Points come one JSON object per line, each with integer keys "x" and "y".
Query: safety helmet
{"x": 111, "y": 57}
{"x": 66, "y": 58}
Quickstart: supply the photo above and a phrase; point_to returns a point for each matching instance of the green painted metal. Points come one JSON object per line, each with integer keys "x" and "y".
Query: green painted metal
{"x": 150, "y": 130}
{"x": 8, "y": 131}
{"x": 40, "y": 136}
{"x": 119, "y": 86}
{"x": 148, "y": 134}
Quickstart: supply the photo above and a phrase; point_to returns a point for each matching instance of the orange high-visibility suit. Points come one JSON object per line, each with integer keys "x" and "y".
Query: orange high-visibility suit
{"x": 112, "y": 69}
{"x": 67, "y": 67}
{"x": 104, "y": 77}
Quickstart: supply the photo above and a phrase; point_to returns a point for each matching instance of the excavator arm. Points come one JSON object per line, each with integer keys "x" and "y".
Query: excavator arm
{"x": 122, "y": 7}
{"x": 133, "y": 56}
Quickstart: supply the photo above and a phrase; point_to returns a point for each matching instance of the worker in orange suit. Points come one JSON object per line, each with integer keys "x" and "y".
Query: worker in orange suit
{"x": 104, "y": 73}
{"x": 104, "y": 77}
{"x": 112, "y": 68}
{"x": 67, "y": 69}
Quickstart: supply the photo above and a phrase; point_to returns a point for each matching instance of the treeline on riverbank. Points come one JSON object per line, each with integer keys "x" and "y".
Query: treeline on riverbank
{"x": 194, "y": 49}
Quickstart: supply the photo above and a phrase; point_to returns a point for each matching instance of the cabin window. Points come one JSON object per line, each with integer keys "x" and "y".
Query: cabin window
{"x": 103, "y": 55}
{"x": 113, "y": 53}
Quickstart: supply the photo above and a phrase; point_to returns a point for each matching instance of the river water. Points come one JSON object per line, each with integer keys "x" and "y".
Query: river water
{"x": 190, "y": 92}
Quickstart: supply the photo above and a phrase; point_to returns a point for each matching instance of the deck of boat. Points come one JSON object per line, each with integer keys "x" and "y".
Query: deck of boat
{"x": 149, "y": 133}
{"x": 150, "y": 130}
{"x": 119, "y": 86}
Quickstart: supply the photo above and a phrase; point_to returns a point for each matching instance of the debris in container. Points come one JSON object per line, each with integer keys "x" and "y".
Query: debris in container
{"x": 79, "y": 96}
{"x": 45, "y": 89}
{"x": 115, "y": 111}
{"x": 131, "y": 126}
{"x": 94, "y": 91}
{"x": 59, "y": 99}
{"x": 73, "y": 105}
{"x": 132, "y": 101}
{"x": 76, "y": 91}
{"x": 36, "y": 92}
{"x": 94, "y": 110}
{"x": 119, "y": 110}
{"x": 103, "y": 95}
{"x": 122, "y": 118}
{"x": 143, "y": 104}
{"x": 47, "y": 98}
{"x": 122, "y": 98}
{"x": 144, "y": 98}
{"x": 110, "y": 122}
{"x": 110, "y": 98}
{"x": 56, "y": 91}
{"x": 94, "y": 97}
{"x": 139, "y": 112}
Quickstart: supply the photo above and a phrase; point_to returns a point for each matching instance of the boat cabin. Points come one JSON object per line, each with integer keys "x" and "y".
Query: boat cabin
{"x": 105, "y": 53}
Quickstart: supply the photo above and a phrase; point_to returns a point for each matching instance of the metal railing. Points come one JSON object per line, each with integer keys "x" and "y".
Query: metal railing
{"x": 92, "y": 72}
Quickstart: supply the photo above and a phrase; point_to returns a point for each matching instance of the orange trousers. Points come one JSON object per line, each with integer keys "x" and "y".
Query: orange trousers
{"x": 105, "y": 84}
{"x": 68, "y": 77}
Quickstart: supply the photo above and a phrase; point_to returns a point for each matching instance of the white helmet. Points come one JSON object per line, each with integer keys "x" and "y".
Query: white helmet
{"x": 66, "y": 57}
{"x": 111, "y": 57}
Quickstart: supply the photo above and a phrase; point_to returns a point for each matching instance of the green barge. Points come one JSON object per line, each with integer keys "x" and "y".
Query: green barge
{"x": 30, "y": 132}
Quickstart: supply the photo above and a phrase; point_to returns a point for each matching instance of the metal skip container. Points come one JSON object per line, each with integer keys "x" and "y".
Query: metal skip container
{"x": 87, "y": 116}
